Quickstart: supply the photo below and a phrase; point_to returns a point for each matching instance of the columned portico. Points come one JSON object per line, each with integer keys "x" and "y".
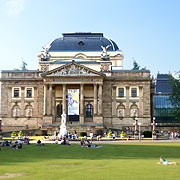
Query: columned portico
{"x": 59, "y": 82}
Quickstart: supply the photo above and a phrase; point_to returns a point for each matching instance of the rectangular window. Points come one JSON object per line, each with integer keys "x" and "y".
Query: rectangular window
{"x": 29, "y": 92}
{"x": 16, "y": 92}
{"x": 121, "y": 92}
{"x": 134, "y": 92}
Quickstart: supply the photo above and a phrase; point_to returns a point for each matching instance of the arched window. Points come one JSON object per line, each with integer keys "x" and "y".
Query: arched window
{"x": 89, "y": 110}
{"x": 59, "y": 110}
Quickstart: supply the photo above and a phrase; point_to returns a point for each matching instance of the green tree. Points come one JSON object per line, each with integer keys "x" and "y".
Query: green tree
{"x": 175, "y": 95}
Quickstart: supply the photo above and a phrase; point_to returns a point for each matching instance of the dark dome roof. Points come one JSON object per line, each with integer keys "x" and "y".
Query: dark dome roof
{"x": 82, "y": 42}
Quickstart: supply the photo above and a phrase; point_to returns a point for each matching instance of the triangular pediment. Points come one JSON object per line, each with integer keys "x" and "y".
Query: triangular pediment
{"x": 72, "y": 69}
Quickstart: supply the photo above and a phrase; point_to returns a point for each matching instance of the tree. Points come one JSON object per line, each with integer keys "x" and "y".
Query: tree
{"x": 175, "y": 95}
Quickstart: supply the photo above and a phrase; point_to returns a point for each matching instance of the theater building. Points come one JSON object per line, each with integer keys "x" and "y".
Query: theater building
{"x": 81, "y": 74}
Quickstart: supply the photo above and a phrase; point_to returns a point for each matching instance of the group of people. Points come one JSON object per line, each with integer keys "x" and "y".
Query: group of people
{"x": 174, "y": 134}
{"x": 17, "y": 144}
{"x": 14, "y": 145}
{"x": 55, "y": 137}
{"x": 85, "y": 142}
{"x": 65, "y": 141}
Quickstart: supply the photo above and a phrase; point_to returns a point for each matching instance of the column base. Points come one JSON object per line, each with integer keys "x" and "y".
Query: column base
{"x": 47, "y": 119}
{"x": 136, "y": 137}
{"x": 97, "y": 119}
{"x": 81, "y": 119}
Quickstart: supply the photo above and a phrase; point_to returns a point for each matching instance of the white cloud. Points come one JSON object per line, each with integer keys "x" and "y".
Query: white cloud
{"x": 14, "y": 7}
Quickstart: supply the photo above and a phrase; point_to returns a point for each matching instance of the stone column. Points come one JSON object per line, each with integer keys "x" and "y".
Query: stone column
{"x": 82, "y": 104}
{"x": 50, "y": 99}
{"x": 36, "y": 108}
{"x": 22, "y": 101}
{"x": 64, "y": 98}
{"x": 95, "y": 99}
{"x": 100, "y": 100}
{"x": 9, "y": 106}
{"x": 45, "y": 99}
{"x": 53, "y": 102}
{"x": 114, "y": 88}
{"x": 140, "y": 100}
{"x": 82, "y": 99}
{"x": 127, "y": 113}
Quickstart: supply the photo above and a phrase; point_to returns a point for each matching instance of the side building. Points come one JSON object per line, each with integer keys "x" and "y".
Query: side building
{"x": 81, "y": 74}
{"x": 163, "y": 106}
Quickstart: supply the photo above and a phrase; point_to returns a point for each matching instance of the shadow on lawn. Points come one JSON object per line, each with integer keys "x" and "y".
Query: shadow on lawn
{"x": 33, "y": 153}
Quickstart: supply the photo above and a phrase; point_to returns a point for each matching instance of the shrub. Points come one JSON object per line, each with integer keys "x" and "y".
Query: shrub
{"x": 83, "y": 134}
{"x": 100, "y": 132}
{"x": 147, "y": 133}
{"x": 122, "y": 134}
{"x": 13, "y": 133}
{"x": 110, "y": 133}
{"x": 20, "y": 133}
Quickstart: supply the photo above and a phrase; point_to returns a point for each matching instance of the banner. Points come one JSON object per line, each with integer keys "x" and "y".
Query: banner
{"x": 73, "y": 101}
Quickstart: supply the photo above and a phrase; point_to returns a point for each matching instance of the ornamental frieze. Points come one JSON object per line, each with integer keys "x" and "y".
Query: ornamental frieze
{"x": 72, "y": 70}
{"x": 72, "y": 80}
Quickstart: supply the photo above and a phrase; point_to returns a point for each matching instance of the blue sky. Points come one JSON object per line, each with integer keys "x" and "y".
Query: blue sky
{"x": 146, "y": 30}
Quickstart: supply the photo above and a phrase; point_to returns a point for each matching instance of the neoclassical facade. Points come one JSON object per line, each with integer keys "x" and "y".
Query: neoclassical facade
{"x": 81, "y": 74}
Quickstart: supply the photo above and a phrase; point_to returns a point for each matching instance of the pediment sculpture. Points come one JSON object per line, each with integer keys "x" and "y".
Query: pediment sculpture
{"x": 72, "y": 70}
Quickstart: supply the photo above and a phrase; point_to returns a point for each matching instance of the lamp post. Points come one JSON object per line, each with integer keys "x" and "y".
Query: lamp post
{"x": 139, "y": 131}
{"x": 154, "y": 136}
{"x": 0, "y": 128}
{"x": 135, "y": 128}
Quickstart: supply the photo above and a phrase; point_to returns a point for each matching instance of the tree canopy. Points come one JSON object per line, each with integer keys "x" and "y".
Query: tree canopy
{"x": 175, "y": 96}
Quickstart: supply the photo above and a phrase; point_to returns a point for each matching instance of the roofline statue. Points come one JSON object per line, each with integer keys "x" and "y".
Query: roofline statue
{"x": 104, "y": 54}
{"x": 45, "y": 52}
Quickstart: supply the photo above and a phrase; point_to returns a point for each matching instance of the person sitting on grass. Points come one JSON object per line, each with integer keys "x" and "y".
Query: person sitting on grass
{"x": 14, "y": 145}
{"x": 64, "y": 141}
{"x": 88, "y": 144}
{"x": 26, "y": 141}
{"x": 82, "y": 142}
{"x": 39, "y": 142}
{"x": 165, "y": 162}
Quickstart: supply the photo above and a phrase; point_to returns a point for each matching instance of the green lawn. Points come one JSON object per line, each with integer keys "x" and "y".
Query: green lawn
{"x": 130, "y": 161}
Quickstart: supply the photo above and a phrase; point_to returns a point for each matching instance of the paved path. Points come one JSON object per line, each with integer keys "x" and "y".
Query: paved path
{"x": 110, "y": 141}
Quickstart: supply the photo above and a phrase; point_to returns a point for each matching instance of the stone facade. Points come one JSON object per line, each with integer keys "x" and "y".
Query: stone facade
{"x": 109, "y": 97}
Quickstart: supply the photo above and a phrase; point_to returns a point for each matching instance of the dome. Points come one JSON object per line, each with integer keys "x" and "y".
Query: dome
{"x": 82, "y": 42}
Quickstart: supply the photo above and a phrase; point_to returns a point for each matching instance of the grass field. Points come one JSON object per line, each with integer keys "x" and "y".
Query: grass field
{"x": 129, "y": 161}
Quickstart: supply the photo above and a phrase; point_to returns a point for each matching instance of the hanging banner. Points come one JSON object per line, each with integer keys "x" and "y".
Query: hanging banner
{"x": 73, "y": 101}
